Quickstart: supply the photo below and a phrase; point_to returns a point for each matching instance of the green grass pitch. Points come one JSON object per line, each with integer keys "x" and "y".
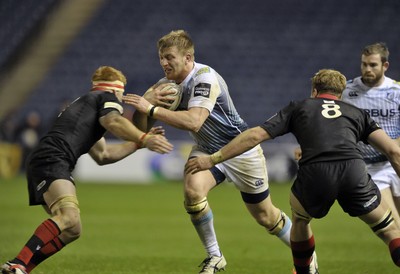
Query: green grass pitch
{"x": 142, "y": 229}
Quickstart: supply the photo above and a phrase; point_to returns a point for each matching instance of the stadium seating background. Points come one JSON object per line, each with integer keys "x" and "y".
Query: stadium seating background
{"x": 266, "y": 50}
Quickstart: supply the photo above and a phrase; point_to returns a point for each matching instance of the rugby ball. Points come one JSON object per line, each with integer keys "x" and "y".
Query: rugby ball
{"x": 177, "y": 95}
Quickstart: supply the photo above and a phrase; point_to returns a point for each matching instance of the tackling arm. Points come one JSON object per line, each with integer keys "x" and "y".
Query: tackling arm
{"x": 240, "y": 144}
{"x": 124, "y": 129}
{"x": 104, "y": 153}
{"x": 120, "y": 127}
{"x": 141, "y": 121}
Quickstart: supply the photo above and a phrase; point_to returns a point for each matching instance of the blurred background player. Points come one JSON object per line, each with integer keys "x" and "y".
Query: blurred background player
{"x": 331, "y": 167}
{"x": 380, "y": 97}
{"x": 208, "y": 113}
{"x": 79, "y": 129}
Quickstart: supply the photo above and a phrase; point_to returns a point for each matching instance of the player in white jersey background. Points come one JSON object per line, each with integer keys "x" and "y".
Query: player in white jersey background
{"x": 208, "y": 113}
{"x": 378, "y": 95}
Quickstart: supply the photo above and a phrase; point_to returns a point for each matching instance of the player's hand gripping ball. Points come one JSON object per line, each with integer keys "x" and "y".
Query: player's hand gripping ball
{"x": 176, "y": 95}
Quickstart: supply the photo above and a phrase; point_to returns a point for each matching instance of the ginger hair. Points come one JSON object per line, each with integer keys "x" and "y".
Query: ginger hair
{"x": 107, "y": 73}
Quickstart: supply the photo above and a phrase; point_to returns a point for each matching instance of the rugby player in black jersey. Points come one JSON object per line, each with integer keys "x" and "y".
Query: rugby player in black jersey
{"x": 79, "y": 129}
{"x": 331, "y": 167}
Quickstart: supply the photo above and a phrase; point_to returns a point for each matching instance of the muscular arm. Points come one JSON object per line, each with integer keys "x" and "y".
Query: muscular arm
{"x": 397, "y": 140}
{"x": 142, "y": 122}
{"x": 191, "y": 119}
{"x": 104, "y": 153}
{"x": 244, "y": 142}
{"x": 382, "y": 142}
{"x": 120, "y": 127}
{"x": 125, "y": 130}
{"x": 241, "y": 143}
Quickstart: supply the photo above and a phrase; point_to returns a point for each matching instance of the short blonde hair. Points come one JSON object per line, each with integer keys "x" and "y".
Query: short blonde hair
{"x": 330, "y": 81}
{"x": 178, "y": 38}
{"x": 107, "y": 73}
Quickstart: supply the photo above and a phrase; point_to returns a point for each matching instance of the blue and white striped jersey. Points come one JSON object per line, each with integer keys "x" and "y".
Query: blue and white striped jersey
{"x": 382, "y": 103}
{"x": 204, "y": 87}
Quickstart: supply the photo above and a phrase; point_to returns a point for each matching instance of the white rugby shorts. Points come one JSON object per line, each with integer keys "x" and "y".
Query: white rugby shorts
{"x": 248, "y": 171}
{"x": 384, "y": 176}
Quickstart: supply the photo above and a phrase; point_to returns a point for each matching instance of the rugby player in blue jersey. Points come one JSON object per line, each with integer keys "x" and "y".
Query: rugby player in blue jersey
{"x": 207, "y": 111}
{"x": 378, "y": 95}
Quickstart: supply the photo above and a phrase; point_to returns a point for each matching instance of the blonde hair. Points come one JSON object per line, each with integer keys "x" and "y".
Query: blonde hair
{"x": 178, "y": 38}
{"x": 109, "y": 74}
{"x": 330, "y": 81}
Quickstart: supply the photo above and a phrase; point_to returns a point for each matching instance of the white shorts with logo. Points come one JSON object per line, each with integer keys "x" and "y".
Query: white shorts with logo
{"x": 384, "y": 176}
{"x": 248, "y": 171}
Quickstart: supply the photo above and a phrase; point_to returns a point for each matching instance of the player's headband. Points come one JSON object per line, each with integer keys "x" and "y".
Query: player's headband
{"x": 108, "y": 85}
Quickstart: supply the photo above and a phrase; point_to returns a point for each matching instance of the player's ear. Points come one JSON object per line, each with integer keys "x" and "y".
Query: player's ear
{"x": 188, "y": 58}
{"x": 386, "y": 65}
{"x": 314, "y": 93}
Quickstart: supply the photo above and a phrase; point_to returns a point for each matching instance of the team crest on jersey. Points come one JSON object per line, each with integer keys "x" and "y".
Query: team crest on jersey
{"x": 353, "y": 94}
{"x": 202, "y": 89}
{"x": 202, "y": 70}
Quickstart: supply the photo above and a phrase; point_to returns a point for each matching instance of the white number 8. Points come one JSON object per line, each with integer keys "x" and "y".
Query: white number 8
{"x": 331, "y": 111}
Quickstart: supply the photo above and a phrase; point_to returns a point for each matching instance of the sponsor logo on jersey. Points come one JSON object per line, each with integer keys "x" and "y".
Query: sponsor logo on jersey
{"x": 381, "y": 112}
{"x": 41, "y": 185}
{"x": 370, "y": 202}
{"x": 202, "y": 89}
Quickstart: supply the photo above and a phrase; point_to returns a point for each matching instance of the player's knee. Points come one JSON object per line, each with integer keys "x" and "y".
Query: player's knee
{"x": 384, "y": 224}
{"x": 196, "y": 207}
{"x": 66, "y": 211}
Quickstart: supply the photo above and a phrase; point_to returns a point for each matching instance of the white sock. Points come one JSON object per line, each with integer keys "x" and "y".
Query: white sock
{"x": 205, "y": 229}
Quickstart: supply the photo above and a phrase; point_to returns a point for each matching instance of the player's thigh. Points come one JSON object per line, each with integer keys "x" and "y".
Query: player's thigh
{"x": 57, "y": 189}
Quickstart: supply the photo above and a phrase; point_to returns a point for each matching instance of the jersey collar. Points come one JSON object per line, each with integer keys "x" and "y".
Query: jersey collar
{"x": 327, "y": 96}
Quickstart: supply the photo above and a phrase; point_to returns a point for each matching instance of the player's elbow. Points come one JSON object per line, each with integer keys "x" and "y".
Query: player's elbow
{"x": 257, "y": 135}
{"x": 100, "y": 158}
{"x": 393, "y": 153}
{"x": 194, "y": 126}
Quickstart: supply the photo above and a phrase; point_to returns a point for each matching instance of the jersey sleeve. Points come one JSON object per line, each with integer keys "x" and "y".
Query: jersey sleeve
{"x": 108, "y": 102}
{"x": 370, "y": 126}
{"x": 205, "y": 91}
{"x": 279, "y": 124}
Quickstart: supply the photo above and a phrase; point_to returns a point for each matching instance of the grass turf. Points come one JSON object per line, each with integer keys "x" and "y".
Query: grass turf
{"x": 142, "y": 229}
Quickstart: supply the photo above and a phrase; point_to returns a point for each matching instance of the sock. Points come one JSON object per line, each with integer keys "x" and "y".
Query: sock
{"x": 43, "y": 234}
{"x": 282, "y": 228}
{"x": 284, "y": 234}
{"x": 394, "y": 247}
{"x": 45, "y": 252}
{"x": 205, "y": 229}
{"x": 302, "y": 254}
